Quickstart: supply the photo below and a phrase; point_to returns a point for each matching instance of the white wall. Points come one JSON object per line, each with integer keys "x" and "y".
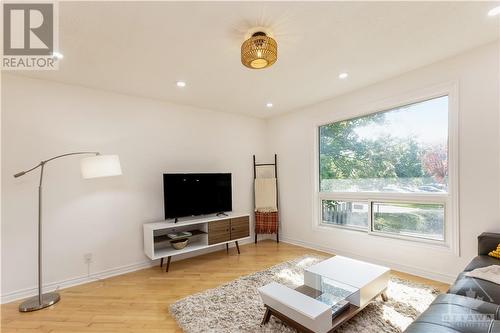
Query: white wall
{"x": 292, "y": 137}
{"x": 103, "y": 216}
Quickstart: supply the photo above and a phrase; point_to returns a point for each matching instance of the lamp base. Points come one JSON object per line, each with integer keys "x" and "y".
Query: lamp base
{"x": 33, "y": 304}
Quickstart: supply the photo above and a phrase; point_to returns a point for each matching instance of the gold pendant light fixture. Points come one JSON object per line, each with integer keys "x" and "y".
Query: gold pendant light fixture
{"x": 259, "y": 51}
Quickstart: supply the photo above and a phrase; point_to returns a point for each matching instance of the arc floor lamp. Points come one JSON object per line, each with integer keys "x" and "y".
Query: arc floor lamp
{"x": 92, "y": 167}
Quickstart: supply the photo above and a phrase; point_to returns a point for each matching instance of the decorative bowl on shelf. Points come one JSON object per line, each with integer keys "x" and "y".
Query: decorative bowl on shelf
{"x": 179, "y": 244}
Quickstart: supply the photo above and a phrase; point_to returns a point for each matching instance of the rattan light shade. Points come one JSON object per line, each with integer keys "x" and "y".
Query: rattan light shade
{"x": 259, "y": 51}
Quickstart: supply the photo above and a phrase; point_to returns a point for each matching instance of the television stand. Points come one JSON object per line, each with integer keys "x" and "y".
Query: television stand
{"x": 206, "y": 232}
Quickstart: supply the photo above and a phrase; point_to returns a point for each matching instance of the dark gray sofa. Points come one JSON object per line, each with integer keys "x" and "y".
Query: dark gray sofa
{"x": 471, "y": 305}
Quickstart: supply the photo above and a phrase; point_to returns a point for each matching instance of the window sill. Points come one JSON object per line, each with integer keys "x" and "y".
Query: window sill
{"x": 327, "y": 226}
{"x": 415, "y": 242}
{"x": 414, "y": 239}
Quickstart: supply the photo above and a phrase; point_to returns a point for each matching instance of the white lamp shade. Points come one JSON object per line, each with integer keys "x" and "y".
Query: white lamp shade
{"x": 101, "y": 166}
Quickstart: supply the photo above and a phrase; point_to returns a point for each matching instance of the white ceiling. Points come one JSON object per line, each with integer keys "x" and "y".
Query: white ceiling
{"x": 142, "y": 48}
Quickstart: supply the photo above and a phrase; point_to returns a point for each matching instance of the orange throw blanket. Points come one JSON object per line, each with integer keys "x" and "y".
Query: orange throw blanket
{"x": 266, "y": 222}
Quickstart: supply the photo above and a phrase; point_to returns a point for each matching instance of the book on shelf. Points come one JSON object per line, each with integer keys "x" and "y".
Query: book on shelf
{"x": 339, "y": 307}
{"x": 178, "y": 235}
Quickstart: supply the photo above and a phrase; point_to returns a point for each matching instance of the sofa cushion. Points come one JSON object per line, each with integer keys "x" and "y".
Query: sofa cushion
{"x": 476, "y": 288}
{"x": 457, "y": 318}
{"x": 480, "y": 262}
{"x": 419, "y": 327}
{"x": 471, "y": 303}
{"x": 454, "y": 313}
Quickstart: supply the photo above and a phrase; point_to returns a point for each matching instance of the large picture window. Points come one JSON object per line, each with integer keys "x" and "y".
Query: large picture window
{"x": 387, "y": 172}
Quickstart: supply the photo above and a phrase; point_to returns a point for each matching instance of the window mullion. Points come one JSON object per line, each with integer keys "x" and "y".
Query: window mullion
{"x": 370, "y": 216}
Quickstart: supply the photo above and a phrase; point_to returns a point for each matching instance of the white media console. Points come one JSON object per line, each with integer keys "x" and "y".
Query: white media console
{"x": 206, "y": 232}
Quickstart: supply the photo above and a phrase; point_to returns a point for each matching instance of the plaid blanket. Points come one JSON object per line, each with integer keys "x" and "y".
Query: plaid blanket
{"x": 266, "y": 222}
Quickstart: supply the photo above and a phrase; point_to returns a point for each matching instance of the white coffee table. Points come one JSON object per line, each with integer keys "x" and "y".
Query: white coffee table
{"x": 327, "y": 284}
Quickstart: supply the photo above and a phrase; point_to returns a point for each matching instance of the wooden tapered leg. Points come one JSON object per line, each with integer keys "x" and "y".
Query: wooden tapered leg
{"x": 168, "y": 263}
{"x": 237, "y": 247}
{"x": 161, "y": 262}
{"x": 267, "y": 316}
{"x": 227, "y": 247}
{"x": 384, "y": 296}
{"x": 255, "y": 238}
{"x": 277, "y": 236}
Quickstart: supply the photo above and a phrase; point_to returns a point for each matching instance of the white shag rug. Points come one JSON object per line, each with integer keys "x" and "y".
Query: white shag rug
{"x": 237, "y": 307}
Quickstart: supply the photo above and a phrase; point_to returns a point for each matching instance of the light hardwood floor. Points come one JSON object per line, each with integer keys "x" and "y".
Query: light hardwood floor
{"x": 138, "y": 301}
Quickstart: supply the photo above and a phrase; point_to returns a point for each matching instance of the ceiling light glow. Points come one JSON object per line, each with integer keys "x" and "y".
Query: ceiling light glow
{"x": 343, "y": 76}
{"x": 269, "y": 105}
{"x": 181, "y": 84}
{"x": 57, "y": 55}
{"x": 494, "y": 12}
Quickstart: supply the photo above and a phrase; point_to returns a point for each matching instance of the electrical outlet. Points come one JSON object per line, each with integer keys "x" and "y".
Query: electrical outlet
{"x": 87, "y": 258}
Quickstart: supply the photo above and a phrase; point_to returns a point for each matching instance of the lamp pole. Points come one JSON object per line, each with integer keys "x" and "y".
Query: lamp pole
{"x": 43, "y": 300}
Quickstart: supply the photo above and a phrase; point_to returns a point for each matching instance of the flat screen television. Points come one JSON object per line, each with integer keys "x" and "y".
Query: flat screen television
{"x": 190, "y": 194}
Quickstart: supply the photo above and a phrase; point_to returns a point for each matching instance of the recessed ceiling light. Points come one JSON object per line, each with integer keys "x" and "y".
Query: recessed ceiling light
{"x": 343, "y": 76}
{"x": 495, "y": 11}
{"x": 269, "y": 105}
{"x": 181, "y": 84}
{"x": 57, "y": 55}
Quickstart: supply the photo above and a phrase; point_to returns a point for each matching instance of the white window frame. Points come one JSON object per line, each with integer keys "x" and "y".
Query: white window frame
{"x": 450, "y": 200}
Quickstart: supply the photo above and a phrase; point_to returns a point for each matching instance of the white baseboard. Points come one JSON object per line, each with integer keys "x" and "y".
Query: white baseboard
{"x": 23, "y": 293}
{"x": 28, "y": 292}
{"x": 396, "y": 266}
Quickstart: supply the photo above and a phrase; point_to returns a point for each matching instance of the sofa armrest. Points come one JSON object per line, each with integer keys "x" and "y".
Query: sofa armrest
{"x": 487, "y": 241}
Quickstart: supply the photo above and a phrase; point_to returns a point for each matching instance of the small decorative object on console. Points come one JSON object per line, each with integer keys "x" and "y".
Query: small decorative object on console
{"x": 179, "y": 244}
